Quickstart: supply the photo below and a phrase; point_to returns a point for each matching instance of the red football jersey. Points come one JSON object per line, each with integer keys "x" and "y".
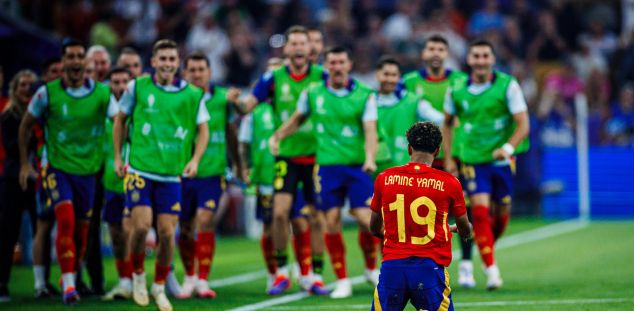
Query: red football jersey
{"x": 415, "y": 201}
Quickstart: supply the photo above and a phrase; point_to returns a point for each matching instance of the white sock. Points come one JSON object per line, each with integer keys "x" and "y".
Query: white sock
{"x": 125, "y": 282}
{"x": 40, "y": 279}
{"x": 68, "y": 279}
{"x": 282, "y": 271}
{"x": 158, "y": 287}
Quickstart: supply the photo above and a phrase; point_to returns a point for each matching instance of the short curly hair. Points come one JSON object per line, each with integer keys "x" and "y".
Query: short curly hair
{"x": 424, "y": 137}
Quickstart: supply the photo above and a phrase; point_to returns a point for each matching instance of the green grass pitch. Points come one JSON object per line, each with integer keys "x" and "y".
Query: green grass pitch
{"x": 589, "y": 268}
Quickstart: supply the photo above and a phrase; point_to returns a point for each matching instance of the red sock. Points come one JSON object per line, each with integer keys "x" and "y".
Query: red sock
{"x": 301, "y": 246}
{"x": 337, "y": 251}
{"x": 205, "y": 246}
{"x": 369, "y": 245}
{"x": 187, "y": 248}
{"x": 124, "y": 268}
{"x": 266, "y": 244}
{"x": 137, "y": 262}
{"x": 65, "y": 243}
{"x": 160, "y": 273}
{"x": 499, "y": 225}
{"x": 483, "y": 234}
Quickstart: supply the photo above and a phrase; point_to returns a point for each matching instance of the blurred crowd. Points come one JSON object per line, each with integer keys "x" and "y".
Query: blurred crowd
{"x": 556, "y": 48}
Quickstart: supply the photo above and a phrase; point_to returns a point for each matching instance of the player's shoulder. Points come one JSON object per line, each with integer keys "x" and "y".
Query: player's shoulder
{"x": 446, "y": 176}
{"x": 363, "y": 87}
{"x": 415, "y": 74}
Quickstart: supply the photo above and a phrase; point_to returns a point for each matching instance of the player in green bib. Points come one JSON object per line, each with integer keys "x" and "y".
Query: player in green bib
{"x": 258, "y": 169}
{"x": 431, "y": 83}
{"x": 73, "y": 110}
{"x": 114, "y": 212}
{"x": 167, "y": 116}
{"x": 295, "y": 162}
{"x": 493, "y": 114}
{"x": 201, "y": 194}
{"x": 344, "y": 114}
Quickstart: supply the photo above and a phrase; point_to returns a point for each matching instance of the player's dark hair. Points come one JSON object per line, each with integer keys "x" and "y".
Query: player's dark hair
{"x": 118, "y": 69}
{"x": 129, "y": 50}
{"x": 69, "y": 42}
{"x": 164, "y": 44}
{"x": 295, "y": 29}
{"x": 313, "y": 29}
{"x": 424, "y": 137}
{"x": 387, "y": 60}
{"x": 49, "y": 62}
{"x": 197, "y": 56}
{"x": 337, "y": 50}
{"x": 436, "y": 38}
{"x": 481, "y": 42}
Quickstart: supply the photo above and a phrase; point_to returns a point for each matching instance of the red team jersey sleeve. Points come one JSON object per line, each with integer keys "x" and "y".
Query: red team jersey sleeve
{"x": 415, "y": 201}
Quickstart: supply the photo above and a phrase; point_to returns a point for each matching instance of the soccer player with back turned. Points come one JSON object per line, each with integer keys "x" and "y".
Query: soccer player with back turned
{"x": 430, "y": 84}
{"x": 410, "y": 208}
{"x": 493, "y": 114}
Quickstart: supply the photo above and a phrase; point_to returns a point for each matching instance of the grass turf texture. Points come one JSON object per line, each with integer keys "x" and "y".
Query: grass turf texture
{"x": 593, "y": 262}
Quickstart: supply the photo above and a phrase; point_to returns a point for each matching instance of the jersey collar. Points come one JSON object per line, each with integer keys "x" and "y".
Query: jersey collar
{"x": 298, "y": 77}
{"x": 425, "y": 75}
{"x": 176, "y": 82}
{"x": 493, "y": 77}
{"x": 87, "y": 83}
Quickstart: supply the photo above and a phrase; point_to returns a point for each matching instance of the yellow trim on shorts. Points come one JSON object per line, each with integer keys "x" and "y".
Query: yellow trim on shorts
{"x": 444, "y": 305}
{"x": 377, "y": 302}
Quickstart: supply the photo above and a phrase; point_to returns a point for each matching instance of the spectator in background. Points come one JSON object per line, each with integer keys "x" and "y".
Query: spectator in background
{"x": 619, "y": 128}
{"x": 20, "y": 92}
{"x": 98, "y": 55}
{"x": 131, "y": 60}
{"x": 316, "y": 42}
{"x": 598, "y": 40}
{"x": 556, "y": 108}
{"x": 587, "y": 60}
{"x": 547, "y": 48}
{"x": 89, "y": 71}
{"x": 206, "y": 36}
{"x": 489, "y": 18}
{"x": 143, "y": 16}
{"x": 52, "y": 69}
{"x": 103, "y": 32}
{"x": 242, "y": 59}
{"x": 400, "y": 25}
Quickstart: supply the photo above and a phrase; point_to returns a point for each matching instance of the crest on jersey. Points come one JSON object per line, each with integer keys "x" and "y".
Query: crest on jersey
{"x": 150, "y": 100}
{"x": 347, "y": 132}
{"x": 465, "y": 105}
{"x": 181, "y": 133}
{"x": 419, "y": 90}
{"x": 286, "y": 88}
{"x": 146, "y": 129}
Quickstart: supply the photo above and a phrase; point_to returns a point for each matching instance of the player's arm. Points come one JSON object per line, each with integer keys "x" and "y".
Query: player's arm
{"x": 447, "y": 133}
{"x": 117, "y": 141}
{"x": 37, "y": 107}
{"x": 261, "y": 92}
{"x": 463, "y": 227}
{"x": 370, "y": 117}
{"x": 458, "y": 207}
{"x": 24, "y": 136}
{"x": 245, "y": 134}
{"x": 191, "y": 169}
{"x": 376, "y": 225}
{"x": 119, "y": 129}
{"x": 376, "y": 219}
{"x": 292, "y": 124}
{"x": 517, "y": 106}
{"x": 428, "y": 113}
{"x": 232, "y": 146}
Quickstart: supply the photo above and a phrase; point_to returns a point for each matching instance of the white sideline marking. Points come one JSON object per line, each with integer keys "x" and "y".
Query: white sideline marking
{"x": 516, "y": 239}
{"x": 472, "y": 304}
{"x": 237, "y": 279}
{"x": 290, "y": 298}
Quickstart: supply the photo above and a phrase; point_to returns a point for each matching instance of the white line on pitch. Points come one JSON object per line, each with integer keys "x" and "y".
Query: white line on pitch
{"x": 516, "y": 239}
{"x": 472, "y": 304}
{"x": 290, "y": 298}
{"x": 237, "y": 279}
